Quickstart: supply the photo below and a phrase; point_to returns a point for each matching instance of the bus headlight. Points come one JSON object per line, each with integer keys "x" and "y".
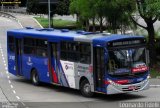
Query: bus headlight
{"x": 149, "y": 76}
{"x": 113, "y": 83}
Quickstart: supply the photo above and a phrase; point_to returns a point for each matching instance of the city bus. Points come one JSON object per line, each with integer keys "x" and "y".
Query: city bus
{"x": 90, "y": 62}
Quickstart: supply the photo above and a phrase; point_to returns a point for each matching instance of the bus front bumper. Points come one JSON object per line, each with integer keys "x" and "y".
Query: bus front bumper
{"x": 117, "y": 89}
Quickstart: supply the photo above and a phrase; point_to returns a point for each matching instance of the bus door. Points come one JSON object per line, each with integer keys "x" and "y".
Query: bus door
{"x": 18, "y": 56}
{"x": 53, "y": 65}
{"x": 98, "y": 68}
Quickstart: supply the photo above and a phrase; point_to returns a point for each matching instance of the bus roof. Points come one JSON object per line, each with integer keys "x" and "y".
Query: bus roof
{"x": 66, "y": 35}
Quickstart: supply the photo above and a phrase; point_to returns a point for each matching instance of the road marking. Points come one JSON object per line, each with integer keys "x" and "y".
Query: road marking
{"x": 154, "y": 85}
{"x": 11, "y": 86}
{"x": 8, "y": 77}
{"x": 18, "y": 97}
{"x": 9, "y": 81}
{"x": 37, "y": 22}
{"x": 14, "y": 91}
{"x": 23, "y": 104}
{"x": 6, "y": 68}
{"x": 7, "y": 73}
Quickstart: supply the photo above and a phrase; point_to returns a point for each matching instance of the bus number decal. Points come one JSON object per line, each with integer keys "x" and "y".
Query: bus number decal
{"x": 12, "y": 58}
{"x": 29, "y": 62}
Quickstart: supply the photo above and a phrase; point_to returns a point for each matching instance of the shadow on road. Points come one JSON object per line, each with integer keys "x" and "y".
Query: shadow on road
{"x": 102, "y": 97}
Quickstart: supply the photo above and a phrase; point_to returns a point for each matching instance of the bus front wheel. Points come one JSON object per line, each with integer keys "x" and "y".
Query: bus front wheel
{"x": 85, "y": 88}
{"x": 35, "y": 78}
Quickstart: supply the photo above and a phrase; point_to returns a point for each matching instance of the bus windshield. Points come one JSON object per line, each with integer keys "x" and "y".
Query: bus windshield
{"x": 127, "y": 61}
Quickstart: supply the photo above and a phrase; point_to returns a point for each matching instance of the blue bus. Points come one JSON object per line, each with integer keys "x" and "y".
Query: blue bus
{"x": 90, "y": 62}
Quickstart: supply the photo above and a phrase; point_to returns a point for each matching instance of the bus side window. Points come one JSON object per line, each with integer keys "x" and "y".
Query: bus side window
{"x": 29, "y": 46}
{"x": 37, "y": 47}
{"x": 64, "y": 50}
{"x": 41, "y": 48}
{"x": 85, "y": 53}
{"x": 70, "y": 51}
{"x": 73, "y": 52}
{"x": 11, "y": 44}
{"x": 76, "y": 52}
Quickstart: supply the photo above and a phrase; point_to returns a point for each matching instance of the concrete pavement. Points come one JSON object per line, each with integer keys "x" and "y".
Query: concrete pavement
{"x": 26, "y": 20}
{"x": 2, "y": 96}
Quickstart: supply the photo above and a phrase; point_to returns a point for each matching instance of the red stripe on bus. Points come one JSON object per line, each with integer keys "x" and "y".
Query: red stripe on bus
{"x": 54, "y": 76}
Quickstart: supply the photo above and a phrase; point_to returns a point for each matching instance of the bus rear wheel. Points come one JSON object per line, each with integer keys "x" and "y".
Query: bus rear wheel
{"x": 85, "y": 88}
{"x": 35, "y": 78}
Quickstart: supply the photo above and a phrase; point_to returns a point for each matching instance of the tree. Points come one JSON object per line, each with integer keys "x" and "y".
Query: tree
{"x": 62, "y": 7}
{"x": 85, "y": 11}
{"x": 149, "y": 11}
{"x": 33, "y": 6}
{"x": 117, "y": 14}
{"x": 23, "y": 3}
{"x": 113, "y": 10}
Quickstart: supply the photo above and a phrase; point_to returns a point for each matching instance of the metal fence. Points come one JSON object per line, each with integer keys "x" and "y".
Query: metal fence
{"x": 6, "y": 15}
{"x": 13, "y": 9}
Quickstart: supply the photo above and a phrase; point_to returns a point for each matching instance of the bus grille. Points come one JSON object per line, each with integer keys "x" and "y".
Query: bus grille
{"x": 127, "y": 88}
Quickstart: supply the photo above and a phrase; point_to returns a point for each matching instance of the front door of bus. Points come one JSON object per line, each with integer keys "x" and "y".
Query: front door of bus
{"x": 18, "y": 56}
{"x": 53, "y": 58}
{"x": 99, "y": 68}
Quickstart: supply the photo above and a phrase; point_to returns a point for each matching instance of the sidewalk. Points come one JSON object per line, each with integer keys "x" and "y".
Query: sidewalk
{"x": 154, "y": 81}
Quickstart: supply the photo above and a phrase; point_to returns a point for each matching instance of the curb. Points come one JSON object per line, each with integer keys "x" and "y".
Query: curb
{"x": 20, "y": 24}
{"x": 154, "y": 86}
{"x": 37, "y": 22}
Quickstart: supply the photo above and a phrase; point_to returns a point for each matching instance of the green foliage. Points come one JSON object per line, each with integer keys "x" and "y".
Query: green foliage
{"x": 23, "y": 3}
{"x": 149, "y": 10}
{"x": 152, "y": 8}
{"x": 85, "y": 8}
{"x": 62, "y": 8}
{"x": 116, "y": 12}
{"x": 33, "y": 6}
{"x": 154, "y": 73}
{"x": 58, "y": 23}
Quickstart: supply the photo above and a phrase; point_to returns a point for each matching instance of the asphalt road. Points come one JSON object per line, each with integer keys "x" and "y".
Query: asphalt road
{"x": 20, "y": 92}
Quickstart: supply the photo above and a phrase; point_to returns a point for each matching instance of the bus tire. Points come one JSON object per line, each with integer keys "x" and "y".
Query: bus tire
{"x": 35, "y": 77}
{"x": 85, "y": 88}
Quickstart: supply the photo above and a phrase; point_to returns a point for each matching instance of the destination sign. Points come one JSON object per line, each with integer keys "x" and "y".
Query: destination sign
{"x": 126, "y": 42}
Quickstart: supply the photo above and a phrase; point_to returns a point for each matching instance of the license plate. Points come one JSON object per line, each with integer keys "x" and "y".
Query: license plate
{"x": 132, "y": 88}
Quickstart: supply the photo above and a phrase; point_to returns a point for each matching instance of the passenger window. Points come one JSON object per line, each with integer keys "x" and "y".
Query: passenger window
{"x": 76, "y": 52}
{"x": 85, "y": 53}
{"x": 41, "y": 48}
{"x": 37, "y": 47}
{"x": 29, "y": 46}
{"x": 70, "y": 51}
